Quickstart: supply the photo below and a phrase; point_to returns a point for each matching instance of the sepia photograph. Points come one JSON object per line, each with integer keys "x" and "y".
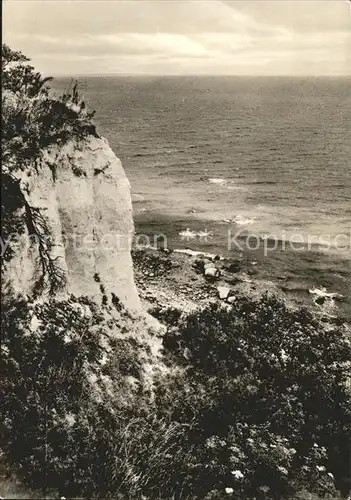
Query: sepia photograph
{"x": 176, "y": 250}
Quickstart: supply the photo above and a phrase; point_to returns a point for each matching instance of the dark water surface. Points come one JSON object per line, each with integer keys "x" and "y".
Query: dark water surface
{"x": 270, "y": 156}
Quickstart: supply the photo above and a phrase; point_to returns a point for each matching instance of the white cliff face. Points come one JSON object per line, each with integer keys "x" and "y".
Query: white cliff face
{"x": 83, "y": 193}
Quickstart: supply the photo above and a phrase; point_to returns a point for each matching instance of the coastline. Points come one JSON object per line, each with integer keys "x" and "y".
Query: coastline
{"x": 292, "y": 274}
{"x": 175, "y": 279}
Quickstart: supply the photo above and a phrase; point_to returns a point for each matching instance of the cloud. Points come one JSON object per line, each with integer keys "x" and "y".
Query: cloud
{"x": 59, "y": 17}
{"x": 184, "y": 36}
{"x": 171, "y": 44}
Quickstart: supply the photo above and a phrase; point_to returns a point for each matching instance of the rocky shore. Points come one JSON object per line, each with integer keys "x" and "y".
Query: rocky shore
{"x": 186, "y": 280}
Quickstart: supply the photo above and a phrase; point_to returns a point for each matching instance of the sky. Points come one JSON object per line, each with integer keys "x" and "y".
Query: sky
{"x": 166, "y": 37}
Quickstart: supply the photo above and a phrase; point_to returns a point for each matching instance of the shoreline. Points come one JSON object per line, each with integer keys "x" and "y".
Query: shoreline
{"x": 294, "y": 273}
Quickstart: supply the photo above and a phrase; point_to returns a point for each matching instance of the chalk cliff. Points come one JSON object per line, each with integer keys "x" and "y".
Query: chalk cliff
{"x": 83, "y": 195}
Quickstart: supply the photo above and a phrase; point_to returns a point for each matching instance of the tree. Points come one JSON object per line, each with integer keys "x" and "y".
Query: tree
{"x": 19, "y": 77}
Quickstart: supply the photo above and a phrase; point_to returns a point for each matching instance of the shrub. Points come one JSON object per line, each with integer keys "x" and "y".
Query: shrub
{"x": 65, "y": 391}
{"x": 33, "y": 119}
{"x": 266, "y": 388}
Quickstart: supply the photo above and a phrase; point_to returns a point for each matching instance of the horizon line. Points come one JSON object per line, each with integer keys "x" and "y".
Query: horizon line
{"x": 185, "y": 75}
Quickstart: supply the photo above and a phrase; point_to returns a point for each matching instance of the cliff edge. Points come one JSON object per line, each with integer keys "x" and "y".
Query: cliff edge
{"x": 83, "y": 194}
{"x": 66, "y": 204}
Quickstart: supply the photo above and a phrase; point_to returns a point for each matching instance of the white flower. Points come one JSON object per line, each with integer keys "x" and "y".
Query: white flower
{"x": 320, "y": 468}
{"x": 34, "y": 323}
{"x": 237, "y": 474}
{"x": 315, "y": 445}
{"x": 70, "y": 419}
{"x": 331, "y": 475}
{"x": 283, "y": 470}
{"x": 67, "y": 339}
{"x": 283, "y": 355}
{"x": 229, "y": 490}
{"x": 264, "y": 488}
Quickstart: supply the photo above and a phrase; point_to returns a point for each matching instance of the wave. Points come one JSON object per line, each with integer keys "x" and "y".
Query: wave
{"x": 137, "y": 197}
{"x": 194, "y": 253}
{"x": 258, "y": 183}
{"x": 240, "y": 220}
{"x": 218, "y": 181}
{"x": 190, "y": 235}
{"x": 322, "y": 292}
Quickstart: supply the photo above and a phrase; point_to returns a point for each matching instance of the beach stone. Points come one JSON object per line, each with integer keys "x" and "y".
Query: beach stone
{"x": 212, "y": 272}
{"x": 320, "y": 300}
{"x": 223, "y": 292}
{"x": 233, "y": 267}
{"x": 231, "y": 299}
{"x": 229, "y": 278}
{"x": 198, "y": 266}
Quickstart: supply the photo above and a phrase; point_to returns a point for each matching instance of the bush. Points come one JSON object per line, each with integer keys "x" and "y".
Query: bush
{"x": 32, "y": 119}
{"x": 266, "y": 389}
{"x": 78, "y": 419}
{"x": 66, "y": 391}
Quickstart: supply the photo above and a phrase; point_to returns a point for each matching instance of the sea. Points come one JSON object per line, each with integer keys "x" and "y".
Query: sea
{"x": 253, "y": 168}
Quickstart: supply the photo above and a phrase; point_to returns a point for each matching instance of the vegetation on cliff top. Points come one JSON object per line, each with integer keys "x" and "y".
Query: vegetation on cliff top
{"x": 32, "y": 121}
{"x": 255, "y": 404}
{"x": 32, "y": 118}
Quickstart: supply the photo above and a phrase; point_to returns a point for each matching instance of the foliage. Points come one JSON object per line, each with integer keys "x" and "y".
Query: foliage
{"x": 63, "y": 379}
{"x": 259, "y": 409}
{"x": 267, "y": 389}
{"x": 32, "y": 119}
{"x": 77, "y": 417}
{"x": 256, "y": 406}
